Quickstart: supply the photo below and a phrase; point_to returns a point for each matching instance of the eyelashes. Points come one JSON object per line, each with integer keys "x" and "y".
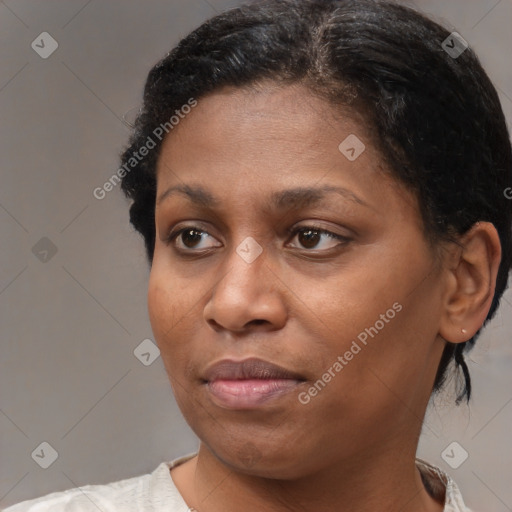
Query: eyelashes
{"x": 312, "y": 236}
{"x": 319, "y": 231}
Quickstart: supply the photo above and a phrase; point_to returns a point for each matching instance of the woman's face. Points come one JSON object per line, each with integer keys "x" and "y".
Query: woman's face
{"x": 301, "y": 253}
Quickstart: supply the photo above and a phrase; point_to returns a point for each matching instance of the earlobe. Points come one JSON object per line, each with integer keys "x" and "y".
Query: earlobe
{"x": 471, "y": 282}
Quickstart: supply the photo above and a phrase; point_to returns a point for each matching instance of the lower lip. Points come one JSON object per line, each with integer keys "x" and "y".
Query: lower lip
{"x": 250, "y": 393}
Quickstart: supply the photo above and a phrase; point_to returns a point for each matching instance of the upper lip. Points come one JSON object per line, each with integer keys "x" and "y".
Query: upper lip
{"x": 252, "y": 368}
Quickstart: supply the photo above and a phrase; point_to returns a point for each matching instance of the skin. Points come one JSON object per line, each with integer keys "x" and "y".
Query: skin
{"x": 300, "y": 305}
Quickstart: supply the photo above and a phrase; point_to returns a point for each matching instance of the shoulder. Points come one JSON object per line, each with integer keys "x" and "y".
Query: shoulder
{"x": 440, "y": 484}
{"x": 132, "y": 494}
{"x": 106, "y": 497}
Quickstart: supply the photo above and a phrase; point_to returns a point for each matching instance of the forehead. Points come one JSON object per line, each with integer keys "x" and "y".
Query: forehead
{"x": 275, "y": 127}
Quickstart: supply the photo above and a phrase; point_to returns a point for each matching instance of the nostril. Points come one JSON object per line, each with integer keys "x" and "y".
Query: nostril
{"x": 214, "y": 325}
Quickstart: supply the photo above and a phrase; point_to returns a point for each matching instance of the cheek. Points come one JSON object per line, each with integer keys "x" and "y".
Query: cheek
{"x": 168, "y": 310}
{"x": 167, "y": 298}
{"x": 160, "y": 306}
{"x": 172, "y": 314}
{"x": 165, "y": 309}
{"x": 382, "y": 320}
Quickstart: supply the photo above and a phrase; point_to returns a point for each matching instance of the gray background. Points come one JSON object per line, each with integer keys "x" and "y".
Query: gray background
{"x": 70, "y": 324}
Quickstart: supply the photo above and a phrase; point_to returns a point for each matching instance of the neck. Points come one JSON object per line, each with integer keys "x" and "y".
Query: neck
{"x": 388, "y": 480}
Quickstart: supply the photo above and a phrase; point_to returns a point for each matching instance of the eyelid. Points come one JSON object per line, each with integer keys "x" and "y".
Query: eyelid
{"x": 174, "y": 234}
{"x": 315, "y": 227}
{"x": 292, "y": 231}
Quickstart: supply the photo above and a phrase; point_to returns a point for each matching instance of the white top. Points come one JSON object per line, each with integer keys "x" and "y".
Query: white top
{"x": 156, "y": 492}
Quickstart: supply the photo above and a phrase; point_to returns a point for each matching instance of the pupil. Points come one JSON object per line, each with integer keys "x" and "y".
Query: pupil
{"x": 186, "y": 235}
{"x": 309, "y": 238}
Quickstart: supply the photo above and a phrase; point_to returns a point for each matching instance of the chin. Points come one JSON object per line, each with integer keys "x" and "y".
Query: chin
{"x": 276, "y": 460}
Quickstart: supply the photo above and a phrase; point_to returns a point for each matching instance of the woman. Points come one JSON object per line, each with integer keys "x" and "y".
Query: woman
{"x": 321, "y": 187}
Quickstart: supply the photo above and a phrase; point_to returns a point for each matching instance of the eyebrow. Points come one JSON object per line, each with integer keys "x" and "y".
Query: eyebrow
{"x": 291, "y": 198}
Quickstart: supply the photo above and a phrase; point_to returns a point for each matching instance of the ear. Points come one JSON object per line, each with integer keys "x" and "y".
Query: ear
{"x": 472, "y": 268}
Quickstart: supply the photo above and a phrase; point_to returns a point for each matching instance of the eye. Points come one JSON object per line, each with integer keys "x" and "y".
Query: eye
{"x": 189, "y": 238}
{"x": 310, "y": 236}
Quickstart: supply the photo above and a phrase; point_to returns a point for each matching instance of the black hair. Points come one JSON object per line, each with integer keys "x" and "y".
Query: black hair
{"x": 435, "y": 115}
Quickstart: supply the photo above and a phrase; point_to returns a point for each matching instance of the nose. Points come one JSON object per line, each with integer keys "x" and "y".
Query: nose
{"x": 249, "y": 296}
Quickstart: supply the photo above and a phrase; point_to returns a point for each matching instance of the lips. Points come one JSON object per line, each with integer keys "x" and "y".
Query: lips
{"x": 249, "y": 384}
{"x": 252, "y": 368}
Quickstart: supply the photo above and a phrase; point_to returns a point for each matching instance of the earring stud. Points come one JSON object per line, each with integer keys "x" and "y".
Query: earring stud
{"x": 464, "y": 331}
